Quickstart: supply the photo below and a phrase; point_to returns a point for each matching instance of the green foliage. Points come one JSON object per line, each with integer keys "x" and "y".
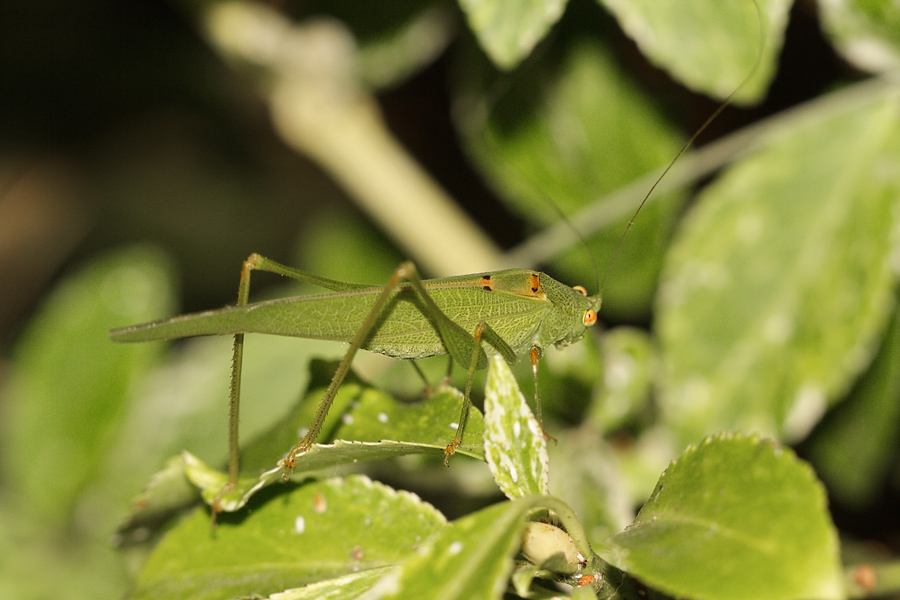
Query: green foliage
{"x": 771, "y": 298}
{"x": 316, "y": 531}
{"x": 806, "y": 222}
{"x": 699, "y": 536}
{"x": 513, "y": 438}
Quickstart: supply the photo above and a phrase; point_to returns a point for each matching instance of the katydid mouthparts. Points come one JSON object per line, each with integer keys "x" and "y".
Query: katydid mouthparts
{"x": 514, "y": 313}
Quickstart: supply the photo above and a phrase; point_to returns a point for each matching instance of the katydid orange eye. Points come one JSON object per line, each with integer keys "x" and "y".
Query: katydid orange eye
{"x": 589, "y": 318}
{"x": 578, "y": 288}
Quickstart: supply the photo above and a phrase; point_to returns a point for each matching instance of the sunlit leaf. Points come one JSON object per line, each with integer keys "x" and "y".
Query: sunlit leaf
{"x": 317, "y": 531}
{"x": 735, "y": 518}
{"x": 708, "y": 45}
{"x": 780, "y": 284}
{"x": 865, "y": 32}
{"x": 470, "y": 559}
{"x": 507, "y": 29}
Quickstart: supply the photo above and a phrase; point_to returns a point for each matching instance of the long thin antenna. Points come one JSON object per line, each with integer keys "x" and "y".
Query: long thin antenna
{"x": 693, "y": 138}
{"x": 581, "y": 239}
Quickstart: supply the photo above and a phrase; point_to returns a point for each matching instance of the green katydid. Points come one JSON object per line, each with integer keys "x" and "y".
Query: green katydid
{"x": 516, "y": 312}
{"x": 513, "y": 313}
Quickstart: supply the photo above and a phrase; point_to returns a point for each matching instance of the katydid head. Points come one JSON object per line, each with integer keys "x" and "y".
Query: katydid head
{"x": 573, "y": 312}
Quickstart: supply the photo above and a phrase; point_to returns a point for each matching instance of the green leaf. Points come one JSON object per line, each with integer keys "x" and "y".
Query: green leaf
{"x": 507, "y": 29}
{"x": 71, "y": 386}
{"x": 856, "y": 445}
{"x": 628, "y": 355}
{"x": 430, "y": 423}
{"x": 363, "y": 424}
{"x": 865, "y": 32}
{"x": 585, "y": 131}
{"x": 361, "y": 413}
{"x": 514, "y": 444}
{"x": 708, "y": 45}
{"x": 401, "y": 49}
{"x": 470, "y": 559}
{"x": 168, "y": 492}
{"x": 184, "y": 404}
{"x": 780, "y": 283}
{"x": 345, "y": 587}
{"x": 315, "y": 532}
{"x": 735, "y": 518}
{"x": 587, "y": 474}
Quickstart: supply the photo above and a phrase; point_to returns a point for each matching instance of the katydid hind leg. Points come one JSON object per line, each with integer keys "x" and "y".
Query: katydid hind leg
{"x": 400, "y": 274}
{"x": 453, "y": 335}
{"x": 462, "y": 347}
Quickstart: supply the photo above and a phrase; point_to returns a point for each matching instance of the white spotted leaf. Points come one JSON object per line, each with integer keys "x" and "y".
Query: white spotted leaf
{"x": 514, "y": 443}
{"x": 364, "y": 424}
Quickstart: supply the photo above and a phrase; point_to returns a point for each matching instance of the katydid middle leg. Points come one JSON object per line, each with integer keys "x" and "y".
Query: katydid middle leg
{"x": 483, "y": 332}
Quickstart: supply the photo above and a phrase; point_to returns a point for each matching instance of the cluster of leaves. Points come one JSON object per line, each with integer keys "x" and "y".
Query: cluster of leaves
{"x": 773, "y": 300}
